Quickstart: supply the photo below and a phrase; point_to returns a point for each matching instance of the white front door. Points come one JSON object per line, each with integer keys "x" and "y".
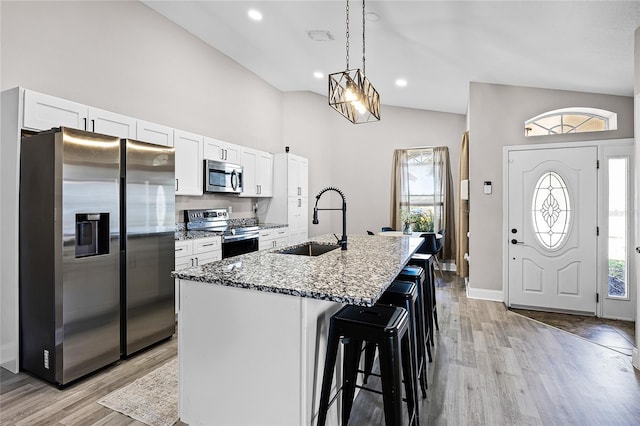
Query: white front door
{"x": 552, "y": 220}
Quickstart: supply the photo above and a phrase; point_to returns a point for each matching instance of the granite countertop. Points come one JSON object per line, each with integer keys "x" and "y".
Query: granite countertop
{"x": 182, "y": 234}
{"x": 356, "y": 276}
{"x": 272, "y": 225}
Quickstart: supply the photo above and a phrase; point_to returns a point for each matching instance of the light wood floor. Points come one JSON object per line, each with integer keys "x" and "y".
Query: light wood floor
{"x": 491, "y": 367}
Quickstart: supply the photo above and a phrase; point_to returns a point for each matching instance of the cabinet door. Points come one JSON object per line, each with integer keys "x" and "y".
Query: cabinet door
{"x": 303, "y": 218}
{"x": 265, "y": 174}
{"x": 232, "y": 153}
{"x": 204, "y": 258}
{"x": 266, "y": 239}
{"x": 218, "y": 150}
{"x": 213, "y": 149}
{"x": 249, "y": 161}
{"x": 110, "y": 123}
{"x": 184, "y": 249}
{"x": 292, "y": 213}
{"x": 207, "y": 245}
{"x": 154, "y": 133}
{"x": 42, "y": 112}
{"x": 188, "y": 163}
{"x": 293, "y": 171}
{"x": 303, "y": 176}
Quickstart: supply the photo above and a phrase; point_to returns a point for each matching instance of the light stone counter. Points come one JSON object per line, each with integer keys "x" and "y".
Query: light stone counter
{"x": 356, "y": 276}
{"x": 253, "y": 328}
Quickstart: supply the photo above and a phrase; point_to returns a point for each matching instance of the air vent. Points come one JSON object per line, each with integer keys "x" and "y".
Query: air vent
{"x": 320, "y": 35}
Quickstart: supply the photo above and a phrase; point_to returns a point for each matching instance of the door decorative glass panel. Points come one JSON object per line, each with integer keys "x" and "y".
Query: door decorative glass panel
{"x": 551, "y": 211}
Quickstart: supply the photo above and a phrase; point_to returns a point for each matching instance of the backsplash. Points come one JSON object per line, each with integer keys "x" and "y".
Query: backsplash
{"x": 240, "y": 207}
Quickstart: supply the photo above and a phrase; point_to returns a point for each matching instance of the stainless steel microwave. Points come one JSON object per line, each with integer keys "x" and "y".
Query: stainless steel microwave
{"x": 222, "y": 177}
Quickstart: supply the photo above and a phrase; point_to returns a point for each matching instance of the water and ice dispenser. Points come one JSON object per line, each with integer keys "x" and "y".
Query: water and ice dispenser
{"x": 92, "y": 234}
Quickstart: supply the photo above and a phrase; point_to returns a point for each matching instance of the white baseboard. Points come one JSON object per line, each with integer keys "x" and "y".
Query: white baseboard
{"x": 485, "y": 294}
{"x": 635, "y": 359}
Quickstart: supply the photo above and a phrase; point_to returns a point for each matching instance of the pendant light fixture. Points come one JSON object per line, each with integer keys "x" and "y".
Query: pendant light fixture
{"x": 350, "y": 92}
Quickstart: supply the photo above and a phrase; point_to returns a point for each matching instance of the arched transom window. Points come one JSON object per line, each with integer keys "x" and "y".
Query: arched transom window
{"x": 571, "y": 120}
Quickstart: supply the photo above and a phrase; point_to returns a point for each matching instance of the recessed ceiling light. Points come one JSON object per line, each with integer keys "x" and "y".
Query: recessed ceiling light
{"x": 318, "y": 74}
{"x": 372, "y": 17}
{"x": 401, "y": 82}
{"x": 255, "y": 15}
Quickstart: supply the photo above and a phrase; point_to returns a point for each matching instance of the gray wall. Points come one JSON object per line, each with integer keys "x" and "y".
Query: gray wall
{"x": 357, "y": 158}
{"x": 496, "y": 115}
{"x": 125, "y": 57}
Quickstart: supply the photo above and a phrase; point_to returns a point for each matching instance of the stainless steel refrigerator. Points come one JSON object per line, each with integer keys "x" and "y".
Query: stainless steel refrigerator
{"x": 148, "y": 244}
{"x": 85, "y": 300}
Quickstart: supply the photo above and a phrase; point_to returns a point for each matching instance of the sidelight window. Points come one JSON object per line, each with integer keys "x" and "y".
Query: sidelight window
{"x": 618, "y": 224}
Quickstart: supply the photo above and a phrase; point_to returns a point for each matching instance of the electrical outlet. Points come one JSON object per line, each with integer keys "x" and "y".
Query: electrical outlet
{"x": 230, "y": 208}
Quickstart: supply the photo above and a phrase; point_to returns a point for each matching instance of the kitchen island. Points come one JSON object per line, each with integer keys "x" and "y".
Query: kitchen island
{"x": 252, "y": 328}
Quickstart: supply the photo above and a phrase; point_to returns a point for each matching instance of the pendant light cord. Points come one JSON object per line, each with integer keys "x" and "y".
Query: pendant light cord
{"x": 364, "y": 72}
{"x": 347, "y": 34}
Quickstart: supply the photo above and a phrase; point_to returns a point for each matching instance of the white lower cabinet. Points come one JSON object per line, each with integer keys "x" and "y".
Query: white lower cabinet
{"x": 194, "y": 253}
{"x": 298, "y": 209}
{"x": 273, "y": 238}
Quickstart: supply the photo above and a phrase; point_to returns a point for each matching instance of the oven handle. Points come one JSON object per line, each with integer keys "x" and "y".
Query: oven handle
{"x": 228, "y": 239}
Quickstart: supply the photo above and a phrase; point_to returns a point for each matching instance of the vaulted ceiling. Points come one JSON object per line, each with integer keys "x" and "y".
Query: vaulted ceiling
{"x": 438, "y": 47}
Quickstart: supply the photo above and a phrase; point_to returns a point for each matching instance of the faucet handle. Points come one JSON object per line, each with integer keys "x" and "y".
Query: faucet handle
{"x": 339, "y": 240}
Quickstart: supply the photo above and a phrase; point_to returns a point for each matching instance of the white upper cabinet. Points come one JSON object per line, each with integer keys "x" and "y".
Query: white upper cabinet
{"x": 42, "y": 112}
{"x": 298, "y": 176}
{"x": 154, "y": 133}
{"x": 110, "y": 123}
{"x": 189, "y": 162}
{"x": 265, "y": 174}
{"x": 257, "y": 173}
{"x": 249, "y": 161}
{"x": 218, "y": 150}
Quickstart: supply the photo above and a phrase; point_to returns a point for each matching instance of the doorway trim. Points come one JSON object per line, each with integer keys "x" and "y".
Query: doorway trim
{"x": 599, "y": 144}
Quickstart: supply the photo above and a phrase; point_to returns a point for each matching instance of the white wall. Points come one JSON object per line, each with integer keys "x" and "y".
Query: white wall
{"x": 357, "y": 158}
{"x": 497, "y": 114}
{"x": 363, "y": 156}
{"x": 636, "y": 91}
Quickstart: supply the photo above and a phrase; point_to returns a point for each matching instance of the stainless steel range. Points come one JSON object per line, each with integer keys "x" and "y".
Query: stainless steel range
{"x": 236, "y": 240}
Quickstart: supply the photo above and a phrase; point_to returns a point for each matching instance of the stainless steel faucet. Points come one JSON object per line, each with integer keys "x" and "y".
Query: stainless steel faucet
{"x": 342, "y": 241}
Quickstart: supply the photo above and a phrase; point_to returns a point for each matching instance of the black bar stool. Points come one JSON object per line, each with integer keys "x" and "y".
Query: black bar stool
{"x": 426, "y": 261}
{"x": 417, "y": 275}
{"x": 404, "y": 294}
{"x": 386, "y": 326}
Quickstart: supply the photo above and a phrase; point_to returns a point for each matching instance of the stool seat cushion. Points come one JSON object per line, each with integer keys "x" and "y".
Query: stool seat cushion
{"x": 371, "y": 317}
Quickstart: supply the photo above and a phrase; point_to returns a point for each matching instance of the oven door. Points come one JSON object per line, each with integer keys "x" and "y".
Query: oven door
{"x": 238, "y": 247}
{"x": 222, "y": 177}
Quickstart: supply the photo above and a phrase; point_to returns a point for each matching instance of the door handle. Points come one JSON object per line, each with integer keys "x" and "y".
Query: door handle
{"x": 514, "y": 241}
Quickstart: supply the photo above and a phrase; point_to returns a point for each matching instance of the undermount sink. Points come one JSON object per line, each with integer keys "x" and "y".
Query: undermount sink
{"x": 310, "y": 248}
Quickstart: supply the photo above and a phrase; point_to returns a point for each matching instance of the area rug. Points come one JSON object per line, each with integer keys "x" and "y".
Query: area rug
{"x": 151, "y": 399}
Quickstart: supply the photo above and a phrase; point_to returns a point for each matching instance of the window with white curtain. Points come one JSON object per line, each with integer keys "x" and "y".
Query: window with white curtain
{"x": 422, "y": 194}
